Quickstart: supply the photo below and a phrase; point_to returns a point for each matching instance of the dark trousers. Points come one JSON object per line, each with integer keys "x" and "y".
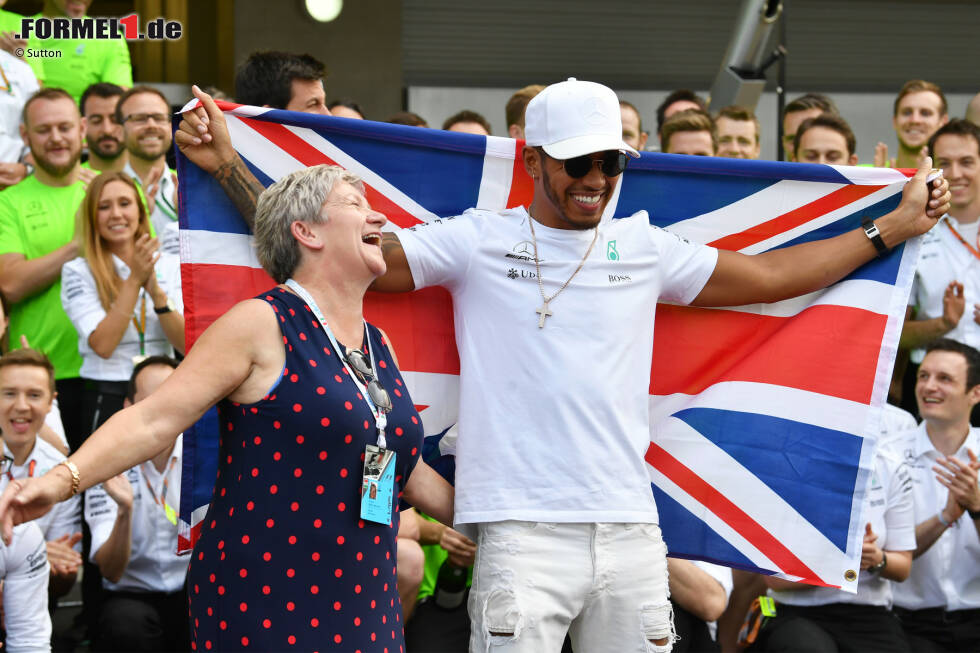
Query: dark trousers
{"x": 71, "y": 404}
{"x": 435, "y": 630}
{"x": 833, "y": 628}
{"x": 101, "y": 400}
{"x": 693, "y": 634}
{"x": 935, "y": 630}
{"x": 138, "y": 621}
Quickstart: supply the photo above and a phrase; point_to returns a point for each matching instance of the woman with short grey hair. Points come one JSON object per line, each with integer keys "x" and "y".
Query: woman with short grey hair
{"x": 320, "y": 439}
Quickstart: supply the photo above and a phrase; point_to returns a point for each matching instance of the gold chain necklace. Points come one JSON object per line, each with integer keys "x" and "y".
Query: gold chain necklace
{"x": 544, "y": 312}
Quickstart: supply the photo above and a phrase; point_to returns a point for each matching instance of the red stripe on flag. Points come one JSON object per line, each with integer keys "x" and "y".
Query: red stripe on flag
{"x": 767, "y": 349}
{"x": 731, "y": 514}
{"x": 765, "y": 230}
{"x": 420, "y": 327}
{"x": 211, "y": 289}
{"x": 296, "y": 147}
{"x": 521, "y": 184}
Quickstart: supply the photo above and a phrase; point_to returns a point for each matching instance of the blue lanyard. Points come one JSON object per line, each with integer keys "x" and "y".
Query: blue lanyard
{"x": 380, "y": 419}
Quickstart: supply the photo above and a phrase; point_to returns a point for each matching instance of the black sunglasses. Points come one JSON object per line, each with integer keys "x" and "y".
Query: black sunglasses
{"x": 362, "y": 365}
{"x": 612, "y": 164}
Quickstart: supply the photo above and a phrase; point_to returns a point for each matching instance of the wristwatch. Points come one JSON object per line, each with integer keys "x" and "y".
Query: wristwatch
{"x": 874, "y": 569}
{"x": 166, "y": 308}
{"x": 871, "y": 231}
{"x": 974, "y": 514}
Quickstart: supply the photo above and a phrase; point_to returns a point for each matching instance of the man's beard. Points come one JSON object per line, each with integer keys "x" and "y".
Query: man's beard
{"x": 96, "y": 149}
{"x": 53, "y": 169}
{"x": 551, "y": 195}
{"x": 137, "y": 151}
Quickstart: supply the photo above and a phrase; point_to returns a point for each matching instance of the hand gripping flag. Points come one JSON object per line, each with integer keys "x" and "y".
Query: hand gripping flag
{"x": 763, "y": 416}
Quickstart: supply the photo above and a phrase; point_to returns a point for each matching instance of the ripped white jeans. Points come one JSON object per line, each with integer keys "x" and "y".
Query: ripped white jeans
{"x": 604, "y": 584}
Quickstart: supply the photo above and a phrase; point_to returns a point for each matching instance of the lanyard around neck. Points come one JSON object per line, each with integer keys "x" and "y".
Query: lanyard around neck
{"x": 162, "y": 499}
{"x": 30, "y": 470}
{"x": 380, "y": 419}
{"x": 959, "y": 237}
{"x": 141, "y": 324}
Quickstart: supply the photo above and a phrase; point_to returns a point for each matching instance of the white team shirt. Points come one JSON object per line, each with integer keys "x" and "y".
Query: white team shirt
{"x": 164, "y": 216}
{"x": 24, "y": 570}
{"x": 942, "y": 259}
{"x": 724, "y": 577}
{"x": 65, "y": 518}
{"x": 894, "y": 420}
{"x": 22, "y": 84}
{"x": 154, "y": 565}
{"x": 554, "y": 422}
{"x": 891, "y": 515}
{"x": 80, "y": 299}
{"x": 948, "y": 574}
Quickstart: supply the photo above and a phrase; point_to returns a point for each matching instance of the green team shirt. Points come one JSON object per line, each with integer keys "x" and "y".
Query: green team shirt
{"x": 80, "y": 63}
{"x": 36, "y": 220}
{"x": 9, "y": 21}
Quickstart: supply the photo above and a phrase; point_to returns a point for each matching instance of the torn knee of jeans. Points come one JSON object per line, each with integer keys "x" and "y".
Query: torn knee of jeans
{"x": 502, "y": 614}
{"x": 658, "y": 625}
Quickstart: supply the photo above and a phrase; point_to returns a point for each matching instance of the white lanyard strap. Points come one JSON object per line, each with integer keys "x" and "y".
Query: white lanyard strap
{"x": 380, "y": 419}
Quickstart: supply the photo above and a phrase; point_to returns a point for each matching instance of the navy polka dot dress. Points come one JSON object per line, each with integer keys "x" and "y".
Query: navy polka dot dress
{"x": 284, "y": 562}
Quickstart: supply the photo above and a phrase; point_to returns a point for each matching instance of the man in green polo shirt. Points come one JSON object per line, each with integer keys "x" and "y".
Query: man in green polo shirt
{"x": 37, "y": 226}
{"x": 79, "y": 62}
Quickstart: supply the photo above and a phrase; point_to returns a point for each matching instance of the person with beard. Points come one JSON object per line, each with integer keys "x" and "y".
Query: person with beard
{"x": 144, "y": 114}
{"x": 103, "y": 133}
{"x": 37, "y": 227}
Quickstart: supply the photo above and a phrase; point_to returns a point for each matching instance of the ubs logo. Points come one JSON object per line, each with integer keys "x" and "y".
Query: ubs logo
{"x": 514, "y": 273}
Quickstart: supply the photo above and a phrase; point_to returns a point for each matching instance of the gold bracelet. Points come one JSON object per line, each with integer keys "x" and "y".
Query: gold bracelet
{"x": 76, "y": 479}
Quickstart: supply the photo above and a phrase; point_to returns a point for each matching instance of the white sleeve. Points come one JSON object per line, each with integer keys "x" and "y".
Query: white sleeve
{"x": 25, "y": 591}
{"x": 53, "y": 421}
{"x": 80, "y": 298}
{"x": 439, "y": 252}
{"x": 685, "y": 267}
{"x": 721, "y": 574}
{"x": 66, "y": 519}
{"x": 899, "y": 513}
{"x": 168, "y": 274}
{"x": 100, "y": 515}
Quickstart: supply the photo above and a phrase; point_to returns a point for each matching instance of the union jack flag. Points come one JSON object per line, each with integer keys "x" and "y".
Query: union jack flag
{"x": 763, "y": 431}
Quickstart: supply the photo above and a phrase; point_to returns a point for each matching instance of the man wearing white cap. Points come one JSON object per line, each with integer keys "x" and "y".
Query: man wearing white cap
{"x": 554, "y": 313}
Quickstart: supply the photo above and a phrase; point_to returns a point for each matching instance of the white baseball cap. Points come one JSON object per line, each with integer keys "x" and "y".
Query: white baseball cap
{"x": 572, "y": 118}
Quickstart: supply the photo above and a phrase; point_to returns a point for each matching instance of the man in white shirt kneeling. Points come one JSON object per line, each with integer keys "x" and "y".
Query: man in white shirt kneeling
{"x": 133, "y": 518}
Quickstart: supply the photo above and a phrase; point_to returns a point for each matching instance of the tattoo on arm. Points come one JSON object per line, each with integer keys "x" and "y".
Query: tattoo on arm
{"x": 241, "y": 187}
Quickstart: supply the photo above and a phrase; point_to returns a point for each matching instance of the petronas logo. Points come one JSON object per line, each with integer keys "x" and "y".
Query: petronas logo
{"x": 611, "y": 253}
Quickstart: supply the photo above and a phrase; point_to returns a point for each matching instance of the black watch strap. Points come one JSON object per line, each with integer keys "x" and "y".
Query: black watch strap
{"x": 871, "y": 231}
{"x": 973, "y": 514}
{"x": 166, "y": 308}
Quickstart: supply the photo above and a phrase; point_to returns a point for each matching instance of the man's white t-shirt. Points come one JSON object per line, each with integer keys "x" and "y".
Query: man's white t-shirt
{"x": 24, "y": 570}
{"x": 947, "y": 575}
{"x": 942, "y": 259}
{"x": 154, "y": 565}
{"x": 554, "y": 421}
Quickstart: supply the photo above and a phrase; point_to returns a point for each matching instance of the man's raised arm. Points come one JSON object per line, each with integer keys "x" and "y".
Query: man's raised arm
{"x": 792, "y": 271}
{"x": 203, "y": 138}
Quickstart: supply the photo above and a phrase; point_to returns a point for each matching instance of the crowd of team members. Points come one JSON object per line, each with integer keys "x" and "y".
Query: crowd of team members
{"x": 89, "y": 276}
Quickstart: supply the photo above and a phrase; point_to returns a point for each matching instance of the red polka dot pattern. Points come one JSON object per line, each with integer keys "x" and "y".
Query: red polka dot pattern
{"x": 284, "y": 560}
